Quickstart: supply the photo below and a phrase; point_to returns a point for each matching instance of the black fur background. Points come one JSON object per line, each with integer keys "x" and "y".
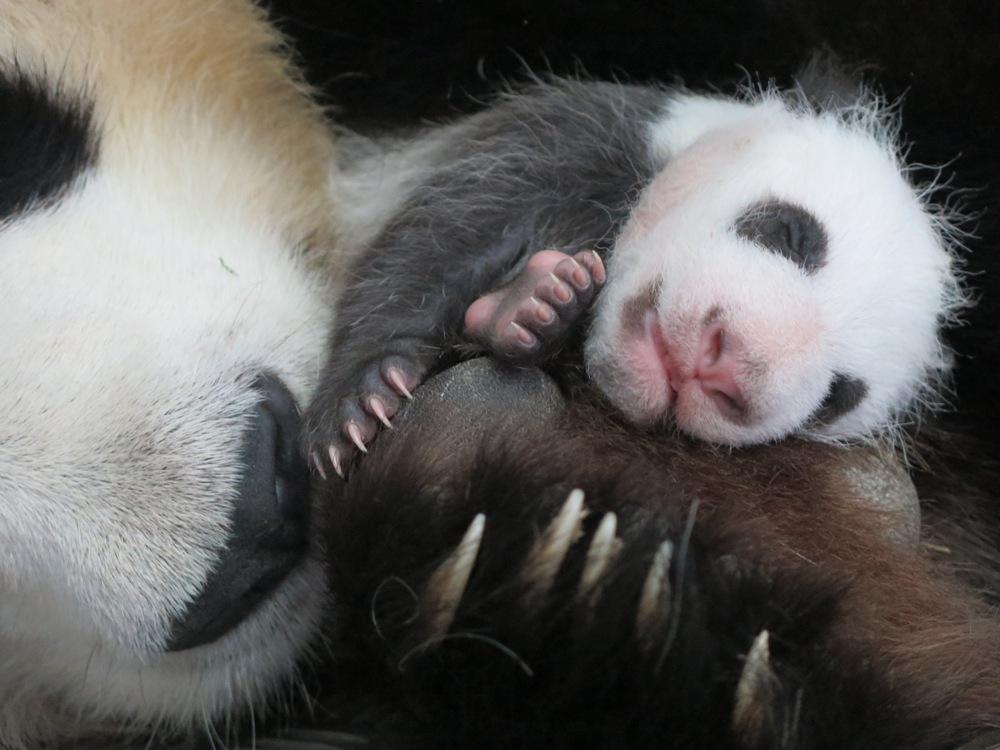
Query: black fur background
{"x": 393, "y": 62}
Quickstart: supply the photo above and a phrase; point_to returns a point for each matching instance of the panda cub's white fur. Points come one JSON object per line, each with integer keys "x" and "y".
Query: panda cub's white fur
{"x": 871, "y": 309}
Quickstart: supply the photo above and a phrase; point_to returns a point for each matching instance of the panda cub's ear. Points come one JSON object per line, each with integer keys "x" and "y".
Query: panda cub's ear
{"x": 826, "y": 84}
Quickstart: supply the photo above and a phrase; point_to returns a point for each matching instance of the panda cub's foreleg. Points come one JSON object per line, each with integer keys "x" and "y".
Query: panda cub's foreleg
{"x": 389, "y": 350}
{"x": 467, "y": 254}
{"x": 527, "y": 319}
{"x": 384, "y": 355}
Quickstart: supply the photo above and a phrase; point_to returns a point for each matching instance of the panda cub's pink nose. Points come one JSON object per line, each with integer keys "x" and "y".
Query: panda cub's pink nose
{"x": 716, "y": 368}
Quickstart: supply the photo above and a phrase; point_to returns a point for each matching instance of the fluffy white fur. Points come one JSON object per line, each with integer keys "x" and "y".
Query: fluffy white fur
{"x": 195, "y": 254}
{"x": 872, "y": 311}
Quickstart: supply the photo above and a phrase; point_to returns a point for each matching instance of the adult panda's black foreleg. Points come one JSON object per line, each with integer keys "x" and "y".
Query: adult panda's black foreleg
{"x": 543, "y": 577}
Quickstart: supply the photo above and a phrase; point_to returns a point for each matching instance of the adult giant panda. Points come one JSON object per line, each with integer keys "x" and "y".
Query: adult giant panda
{"x": 171, "y": 257}
{"x": 167, "y": 240}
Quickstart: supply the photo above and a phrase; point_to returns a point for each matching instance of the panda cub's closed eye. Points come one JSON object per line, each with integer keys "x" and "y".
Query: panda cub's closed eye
{"x": 785, "y": 229}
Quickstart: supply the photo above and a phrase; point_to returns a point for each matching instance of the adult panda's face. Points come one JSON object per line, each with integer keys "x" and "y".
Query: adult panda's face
{"x": 163, "y": 309}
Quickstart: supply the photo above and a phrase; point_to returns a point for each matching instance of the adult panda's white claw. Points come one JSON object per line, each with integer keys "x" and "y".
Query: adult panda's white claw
{"x": 548, "y": 553}
{"x": 754, "y": 691}
{"x": 654, "y": 602}
{"x": 447, "y": 585}
{"x": 604, "y": 547}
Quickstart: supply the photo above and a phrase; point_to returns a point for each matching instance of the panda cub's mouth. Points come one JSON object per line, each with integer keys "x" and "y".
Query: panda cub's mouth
{"x": 270, "y": 522}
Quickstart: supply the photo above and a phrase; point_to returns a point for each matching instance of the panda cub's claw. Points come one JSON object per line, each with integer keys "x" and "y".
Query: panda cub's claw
{"x": 340, "y": 451}
{"x": 353, "y": 430}
{"x": 316, "y": 464}
{"x": 338, "y": 465}
{"x": 528, "y": 319}
{"x": 398, "y": 381}
{"x": 377, "y": 408}
{"x": 339, "y": 427}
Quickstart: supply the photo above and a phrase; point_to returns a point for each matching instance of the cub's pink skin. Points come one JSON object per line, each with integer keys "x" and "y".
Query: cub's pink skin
{"x": 527, "y": 318}
{"x": 743, "y": 268}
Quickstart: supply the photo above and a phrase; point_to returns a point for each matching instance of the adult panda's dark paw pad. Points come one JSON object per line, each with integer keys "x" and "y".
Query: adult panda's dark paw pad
{"x": 342, "y": 421}
{"x": 527, "y": 319}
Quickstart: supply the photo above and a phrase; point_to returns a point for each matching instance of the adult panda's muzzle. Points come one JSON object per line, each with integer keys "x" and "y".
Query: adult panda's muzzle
{"x": 270, "y": 522}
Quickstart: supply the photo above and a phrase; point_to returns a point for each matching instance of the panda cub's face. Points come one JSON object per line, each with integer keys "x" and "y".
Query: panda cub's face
{"x": 779, "y": 275}
{"x": 160, "y": 326}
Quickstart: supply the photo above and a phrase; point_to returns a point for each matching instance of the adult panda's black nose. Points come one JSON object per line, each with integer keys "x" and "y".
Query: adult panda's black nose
{"x": 270, "y": 521}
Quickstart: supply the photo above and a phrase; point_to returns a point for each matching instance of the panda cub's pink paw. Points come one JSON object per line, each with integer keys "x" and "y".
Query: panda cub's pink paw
{"x": 527, "y": 319}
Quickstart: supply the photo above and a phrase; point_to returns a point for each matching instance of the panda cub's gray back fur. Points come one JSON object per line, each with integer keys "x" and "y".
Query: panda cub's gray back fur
{"x": 521, "y": 139}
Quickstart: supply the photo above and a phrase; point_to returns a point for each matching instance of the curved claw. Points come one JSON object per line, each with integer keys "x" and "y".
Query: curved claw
{"x": 317, "y": 464}
{"x": 604, "y": 547}
{"x": 354, "y": 433}
{"x": 335, "y": 459}
{"x": 560, "y": 289}
{"x": 580, "y": 276}
{"x": 377, "y": 407}
{"x": 396, "y": 380}
{"x": 447, "y": 585}
{"x": 543, "y": 312}
{"x": 755, "y": 691}
{"x": 654, "y": 603}
{"x": 546, "y": 557}
{"x": 595, "y": 266}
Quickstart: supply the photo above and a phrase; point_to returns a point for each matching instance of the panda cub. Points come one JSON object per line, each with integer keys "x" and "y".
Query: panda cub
{"x": 760, "y": 265}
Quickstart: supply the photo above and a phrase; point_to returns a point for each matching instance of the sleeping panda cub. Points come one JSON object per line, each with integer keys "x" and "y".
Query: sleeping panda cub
{"x": 761, "y": 264}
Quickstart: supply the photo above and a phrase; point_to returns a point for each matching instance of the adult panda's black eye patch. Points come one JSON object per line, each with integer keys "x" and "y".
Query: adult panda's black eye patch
{"x": 46, "y": 143}
{"x": 785, "y": 229}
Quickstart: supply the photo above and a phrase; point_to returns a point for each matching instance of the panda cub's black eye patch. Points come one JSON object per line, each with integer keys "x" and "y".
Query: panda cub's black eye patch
{"x": 845, "y": 394}
{"x": 785, "y": 229}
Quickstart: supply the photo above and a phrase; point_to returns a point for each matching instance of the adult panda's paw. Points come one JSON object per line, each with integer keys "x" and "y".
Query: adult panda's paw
{"x": 527, "y": 320}
{"x": 349, "y": 407}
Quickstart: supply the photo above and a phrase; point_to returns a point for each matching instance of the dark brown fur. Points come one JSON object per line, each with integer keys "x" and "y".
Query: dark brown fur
{"x": 875, "y": 641}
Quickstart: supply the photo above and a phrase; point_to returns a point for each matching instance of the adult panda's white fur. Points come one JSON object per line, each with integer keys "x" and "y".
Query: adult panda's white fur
{"x": 140, "y": 302}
